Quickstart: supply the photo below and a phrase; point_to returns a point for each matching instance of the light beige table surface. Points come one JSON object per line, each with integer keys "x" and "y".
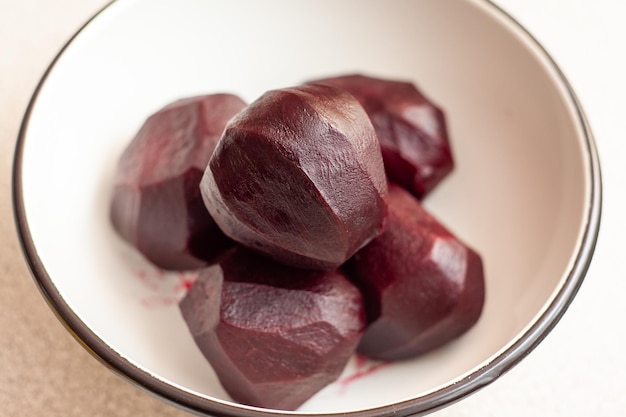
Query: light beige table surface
{"x": 578, "y": 371}
{"x": 43, "y": 370}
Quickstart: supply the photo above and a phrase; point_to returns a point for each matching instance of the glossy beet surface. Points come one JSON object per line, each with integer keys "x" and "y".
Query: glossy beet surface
{"x": 298, "y": 175}
{"x": 156, "y": 204}
{"x": 411, "y": 129}
{"x": 275, "y": 335}
{"x": 422, "y": 286}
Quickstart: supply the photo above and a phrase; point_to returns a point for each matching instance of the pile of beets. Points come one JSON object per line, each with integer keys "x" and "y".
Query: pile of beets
{"x": 301, "y": 214}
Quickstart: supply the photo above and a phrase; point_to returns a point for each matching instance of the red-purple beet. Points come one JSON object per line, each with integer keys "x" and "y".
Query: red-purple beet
{"x": 275, "y": 335}
{"x": 411, "y": 129}
{"x": 422, "y": 286}
{"x": 156, "y": 204}
{"x": 298, "y": 175}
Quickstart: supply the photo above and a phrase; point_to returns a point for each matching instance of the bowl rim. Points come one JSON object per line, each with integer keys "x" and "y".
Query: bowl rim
{"x": 473, "y": 381}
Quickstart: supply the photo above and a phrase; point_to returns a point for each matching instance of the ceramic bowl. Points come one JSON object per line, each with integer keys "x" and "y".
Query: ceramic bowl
{"x": 525, "y": 192}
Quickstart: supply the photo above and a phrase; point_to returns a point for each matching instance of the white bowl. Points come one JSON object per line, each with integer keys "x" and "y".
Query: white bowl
{"x": 525, "y": 193}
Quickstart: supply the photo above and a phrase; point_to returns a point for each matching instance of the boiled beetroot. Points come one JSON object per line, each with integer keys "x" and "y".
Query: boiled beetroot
{"x": 275, "y": 335}
{"x": 423, "y": 287}
{"x": 411, "y": 129}
{"x": 156, "y": 204}
{"x": 298, "y": 175}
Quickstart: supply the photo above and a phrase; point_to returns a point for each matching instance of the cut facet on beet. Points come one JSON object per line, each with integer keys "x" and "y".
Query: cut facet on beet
{"x": 422, "y": 286}
{"x": 298, "y": 175}
{"x": 157, "y": 205}
{"x": 411, "y": 129}
{"x": 275, "y": 335}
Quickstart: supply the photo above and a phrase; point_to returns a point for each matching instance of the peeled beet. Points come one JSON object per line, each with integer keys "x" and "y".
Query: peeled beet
{"x": 156, "y": 204}
{"x": 275, "y": 335}
{"x": 423, "y": 287}
{"x": 411, "y": 129}
{"x": 298, "y": 175}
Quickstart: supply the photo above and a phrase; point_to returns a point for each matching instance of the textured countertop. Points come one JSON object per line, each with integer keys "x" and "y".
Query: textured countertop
{"x": 579, "y": 370}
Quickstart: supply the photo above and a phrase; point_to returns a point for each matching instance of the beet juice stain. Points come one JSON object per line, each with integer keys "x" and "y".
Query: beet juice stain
{"x": 165, "y": 289}
{"x": 364, "y": 368}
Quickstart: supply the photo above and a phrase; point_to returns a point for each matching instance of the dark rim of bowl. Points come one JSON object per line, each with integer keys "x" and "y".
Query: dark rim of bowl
{"x": 417, "y": 406}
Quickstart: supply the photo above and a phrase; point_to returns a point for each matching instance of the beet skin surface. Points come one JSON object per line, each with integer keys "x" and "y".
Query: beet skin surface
{"x": 298, "y": 175}
{"x": 157, "y": 206}
{"x": 411, "y": 128}
{"x": 275, "y": 335}
{"x": 423, "y": 287}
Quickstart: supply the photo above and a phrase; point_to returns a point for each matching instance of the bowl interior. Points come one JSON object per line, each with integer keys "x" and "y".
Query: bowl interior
{"x": 518, "y": 195}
